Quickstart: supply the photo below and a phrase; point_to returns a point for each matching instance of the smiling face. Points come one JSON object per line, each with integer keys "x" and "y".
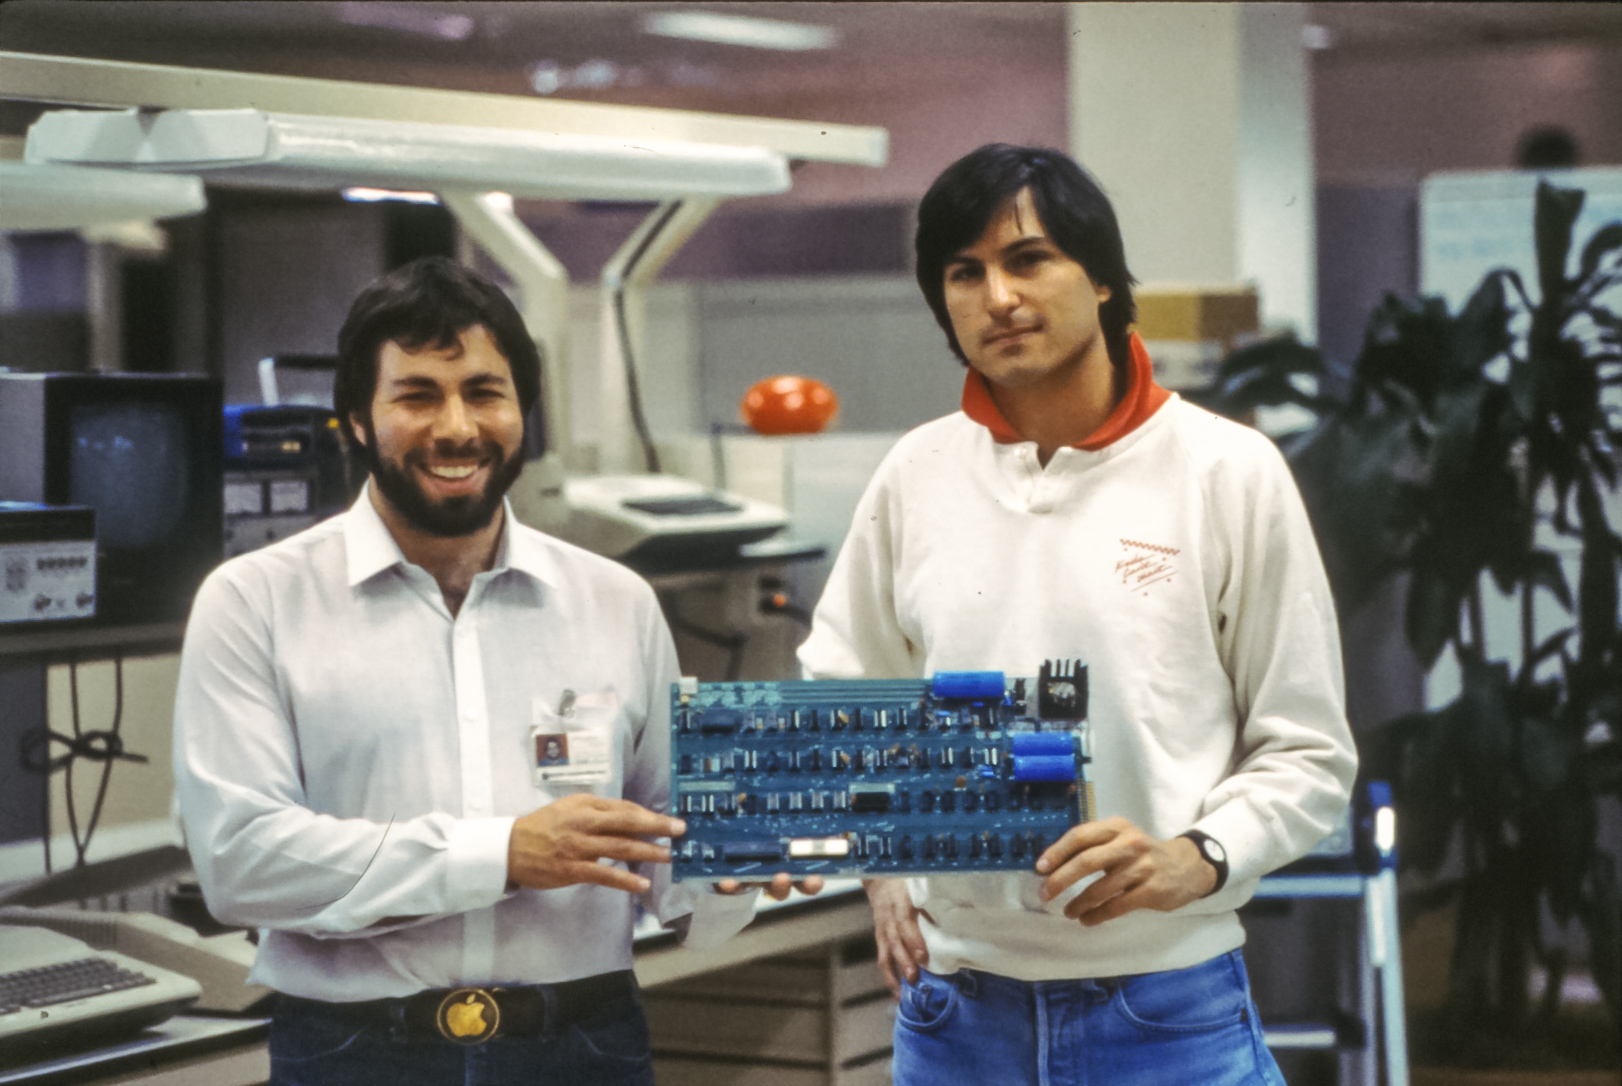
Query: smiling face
{"x": 1024, "y": 312}
{"x": 445, "y": 436}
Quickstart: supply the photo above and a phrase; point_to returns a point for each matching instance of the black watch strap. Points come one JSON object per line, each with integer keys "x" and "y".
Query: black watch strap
{"x": 1213, "y": 853}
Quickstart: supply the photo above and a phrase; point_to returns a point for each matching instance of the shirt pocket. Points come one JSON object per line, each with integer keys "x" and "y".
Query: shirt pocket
{"x": 580, "y": 749}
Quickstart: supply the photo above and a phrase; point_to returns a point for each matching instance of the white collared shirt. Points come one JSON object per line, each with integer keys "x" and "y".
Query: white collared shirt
{"x": 350, "y": 758}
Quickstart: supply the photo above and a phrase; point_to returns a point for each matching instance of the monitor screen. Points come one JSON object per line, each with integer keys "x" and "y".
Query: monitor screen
{"x": 131, "y": 462}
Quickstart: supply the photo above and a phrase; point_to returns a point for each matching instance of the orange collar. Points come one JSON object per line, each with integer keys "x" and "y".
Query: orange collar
{"x": 1143, "y": 398}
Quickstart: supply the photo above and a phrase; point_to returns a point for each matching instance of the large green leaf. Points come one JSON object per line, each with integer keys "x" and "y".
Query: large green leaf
{"x": 1544, "y": 570}
{"x": 1481, "y": 333}
{"x": 1605, "y": 240}
{"x": 1554, "y": 214}
{"x": 1597, "y": 577}
{"x": 1352, "y": 476}
{"x": 1431, "y": 614}
{"x": 1405, "y": 345}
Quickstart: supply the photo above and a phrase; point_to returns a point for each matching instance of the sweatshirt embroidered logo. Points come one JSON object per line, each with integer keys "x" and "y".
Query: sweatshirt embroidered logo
{"x": 1143, "y": 564}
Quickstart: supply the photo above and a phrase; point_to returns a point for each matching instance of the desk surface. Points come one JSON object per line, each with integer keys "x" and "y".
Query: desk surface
{"x": 163, "y": 1050}
{"x": 189, "y": 1050}
{"x": 48, "y": 642}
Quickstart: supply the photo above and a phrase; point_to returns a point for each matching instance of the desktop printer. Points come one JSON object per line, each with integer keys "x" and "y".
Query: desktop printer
{"x": 639, "y": 518}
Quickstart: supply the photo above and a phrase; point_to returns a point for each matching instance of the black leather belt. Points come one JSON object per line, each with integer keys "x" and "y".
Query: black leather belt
{"x": 472, "y": 1016}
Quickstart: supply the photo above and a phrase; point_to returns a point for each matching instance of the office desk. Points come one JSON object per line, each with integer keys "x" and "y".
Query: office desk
{"x": 198, "y": 1051}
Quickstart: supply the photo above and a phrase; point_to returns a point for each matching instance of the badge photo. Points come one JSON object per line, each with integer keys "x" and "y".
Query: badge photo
{"x": 570, "y": 744}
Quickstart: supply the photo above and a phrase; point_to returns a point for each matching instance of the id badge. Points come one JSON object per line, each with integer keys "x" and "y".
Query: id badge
{"x": 570, "y": 744}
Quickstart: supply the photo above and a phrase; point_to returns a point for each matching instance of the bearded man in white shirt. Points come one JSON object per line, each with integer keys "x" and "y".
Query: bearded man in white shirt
{"x": 362, "y": 727}
{"x": 1075, "y": 509}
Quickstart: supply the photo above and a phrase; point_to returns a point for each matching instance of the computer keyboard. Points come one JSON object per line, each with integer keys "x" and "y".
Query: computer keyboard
{"x": 57, "y": 990}
{"x": 65, "y": 982}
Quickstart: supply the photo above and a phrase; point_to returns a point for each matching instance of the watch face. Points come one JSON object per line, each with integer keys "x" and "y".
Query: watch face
{"x": 1214, "y": 851}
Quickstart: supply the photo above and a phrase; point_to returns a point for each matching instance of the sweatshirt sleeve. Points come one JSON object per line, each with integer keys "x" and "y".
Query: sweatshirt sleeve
{"x": 1294, "y": 756}
{"x": 264, "y": 858}
{"x": 854, "y": 631}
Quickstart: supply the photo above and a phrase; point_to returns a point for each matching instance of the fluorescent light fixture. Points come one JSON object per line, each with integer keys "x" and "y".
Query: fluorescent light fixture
{"x": 714, "y": 26}
{"x": 407, "y": 17}
{"x": 45, "y": 197}
{"x": 362, "y": 195}
{"x": 248, "y": 147}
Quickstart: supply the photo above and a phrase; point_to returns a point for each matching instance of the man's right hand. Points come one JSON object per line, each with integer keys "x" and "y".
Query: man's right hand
{"x": 895, "y": 927}
{"x": 560, "y": 844}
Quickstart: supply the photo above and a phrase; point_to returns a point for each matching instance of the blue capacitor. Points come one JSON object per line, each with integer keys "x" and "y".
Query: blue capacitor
{"x": 1044, "y": 767}
{"x": 969, "y": 684}
{"x": 1044, "y": 743}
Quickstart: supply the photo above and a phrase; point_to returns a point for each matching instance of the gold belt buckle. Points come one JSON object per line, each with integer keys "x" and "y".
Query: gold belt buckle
{"x": 468, "y": 1016}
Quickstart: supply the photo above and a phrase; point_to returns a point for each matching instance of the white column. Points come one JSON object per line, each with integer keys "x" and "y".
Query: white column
{"x": 1196, "y": 119}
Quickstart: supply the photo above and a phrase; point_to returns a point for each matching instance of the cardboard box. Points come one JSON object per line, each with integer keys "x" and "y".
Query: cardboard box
{"x": 1197, "y": 314}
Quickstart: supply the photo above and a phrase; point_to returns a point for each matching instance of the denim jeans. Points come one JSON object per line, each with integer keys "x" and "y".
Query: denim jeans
{"x": 308, "y": 1048}
{"x": 1184, "y": 1027}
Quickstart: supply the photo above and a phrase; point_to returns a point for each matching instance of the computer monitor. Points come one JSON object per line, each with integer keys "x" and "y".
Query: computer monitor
{"x": 144, "y": 451}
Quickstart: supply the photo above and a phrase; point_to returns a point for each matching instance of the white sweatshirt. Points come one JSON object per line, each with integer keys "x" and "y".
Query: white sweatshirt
{"x": 1178, "y": 563}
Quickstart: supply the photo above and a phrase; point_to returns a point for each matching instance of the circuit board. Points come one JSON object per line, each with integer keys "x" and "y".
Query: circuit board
{"x": 967, "y": 771}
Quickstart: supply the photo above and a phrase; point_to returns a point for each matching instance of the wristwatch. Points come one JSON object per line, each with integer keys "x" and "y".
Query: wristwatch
{"x": 1212, "y": 852}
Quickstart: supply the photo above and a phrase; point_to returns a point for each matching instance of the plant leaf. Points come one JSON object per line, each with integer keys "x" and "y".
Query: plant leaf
{"x": 1597, "y": 578}
{"x": 1554, "y": 214}
{"x": 1543, "y": 569}
{"x": 1604, "y": 240}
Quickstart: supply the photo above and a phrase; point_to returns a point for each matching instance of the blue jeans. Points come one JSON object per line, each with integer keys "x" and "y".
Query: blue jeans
{"x": 308, "y": 1048}
{"x": 1185, "y": 1027}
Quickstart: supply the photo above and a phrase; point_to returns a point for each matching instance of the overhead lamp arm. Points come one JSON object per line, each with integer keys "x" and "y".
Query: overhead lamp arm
{"x": 543, "y": 285}
{"x": 636, "y": 263}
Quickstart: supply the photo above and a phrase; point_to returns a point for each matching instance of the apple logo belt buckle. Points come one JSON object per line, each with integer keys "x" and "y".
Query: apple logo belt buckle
{"x": 468, "y": 1016}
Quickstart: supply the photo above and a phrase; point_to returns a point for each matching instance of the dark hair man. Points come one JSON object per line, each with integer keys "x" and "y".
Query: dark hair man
{"x": 1074, "y": 508}
{"x": 356, "y": 739}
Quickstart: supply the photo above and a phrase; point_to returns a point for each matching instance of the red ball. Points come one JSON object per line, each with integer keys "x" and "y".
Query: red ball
{"x": 789, "y": 405}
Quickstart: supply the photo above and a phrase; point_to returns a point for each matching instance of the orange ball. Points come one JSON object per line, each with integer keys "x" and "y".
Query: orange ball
{"x": 789, "y": 405}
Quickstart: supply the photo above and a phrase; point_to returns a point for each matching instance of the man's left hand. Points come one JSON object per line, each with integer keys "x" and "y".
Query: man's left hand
{"x": 1139, "y": 871}
{"x": 777, "y": 889}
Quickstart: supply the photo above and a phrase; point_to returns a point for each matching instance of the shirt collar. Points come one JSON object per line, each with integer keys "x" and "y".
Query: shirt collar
{"x": 371, "y": 549}
{"x": 1143, "y": 398}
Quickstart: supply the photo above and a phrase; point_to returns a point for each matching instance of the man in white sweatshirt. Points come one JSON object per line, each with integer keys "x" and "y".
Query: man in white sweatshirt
{"x": 1075, "y": 509}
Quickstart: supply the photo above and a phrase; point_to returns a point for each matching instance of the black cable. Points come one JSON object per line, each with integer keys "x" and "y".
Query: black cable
{"x": 44, "y": 813}
{"x": 633, "y": 385}
{"x": 104, "y": 746}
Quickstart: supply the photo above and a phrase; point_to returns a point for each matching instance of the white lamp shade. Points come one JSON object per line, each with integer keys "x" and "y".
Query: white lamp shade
{"x": 246, "y": 146}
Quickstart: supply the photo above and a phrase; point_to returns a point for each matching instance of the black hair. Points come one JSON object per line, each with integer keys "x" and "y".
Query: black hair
{"x": 427, "y": 303}
{"x": 1074, "y": 211}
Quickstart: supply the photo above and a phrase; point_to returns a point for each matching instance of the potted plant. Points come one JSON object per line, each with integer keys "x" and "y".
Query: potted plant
{"x": 1456, "y": 449}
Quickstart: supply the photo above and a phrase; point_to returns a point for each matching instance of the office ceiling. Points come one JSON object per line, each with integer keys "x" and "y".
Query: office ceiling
{"x": 599, "y": 51}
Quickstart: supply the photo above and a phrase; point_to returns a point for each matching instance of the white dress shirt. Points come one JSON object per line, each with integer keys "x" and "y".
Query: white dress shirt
{"x": 350, "y": 759}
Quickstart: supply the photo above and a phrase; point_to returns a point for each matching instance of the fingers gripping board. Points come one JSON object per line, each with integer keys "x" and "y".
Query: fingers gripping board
{"x": 967, "y": 771}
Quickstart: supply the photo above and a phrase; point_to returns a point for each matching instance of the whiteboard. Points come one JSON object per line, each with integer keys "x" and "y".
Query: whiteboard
{"x": 1473, "y": 222}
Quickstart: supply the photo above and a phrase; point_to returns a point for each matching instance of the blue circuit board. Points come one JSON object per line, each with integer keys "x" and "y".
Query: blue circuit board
{"x": 967, "y": 771}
